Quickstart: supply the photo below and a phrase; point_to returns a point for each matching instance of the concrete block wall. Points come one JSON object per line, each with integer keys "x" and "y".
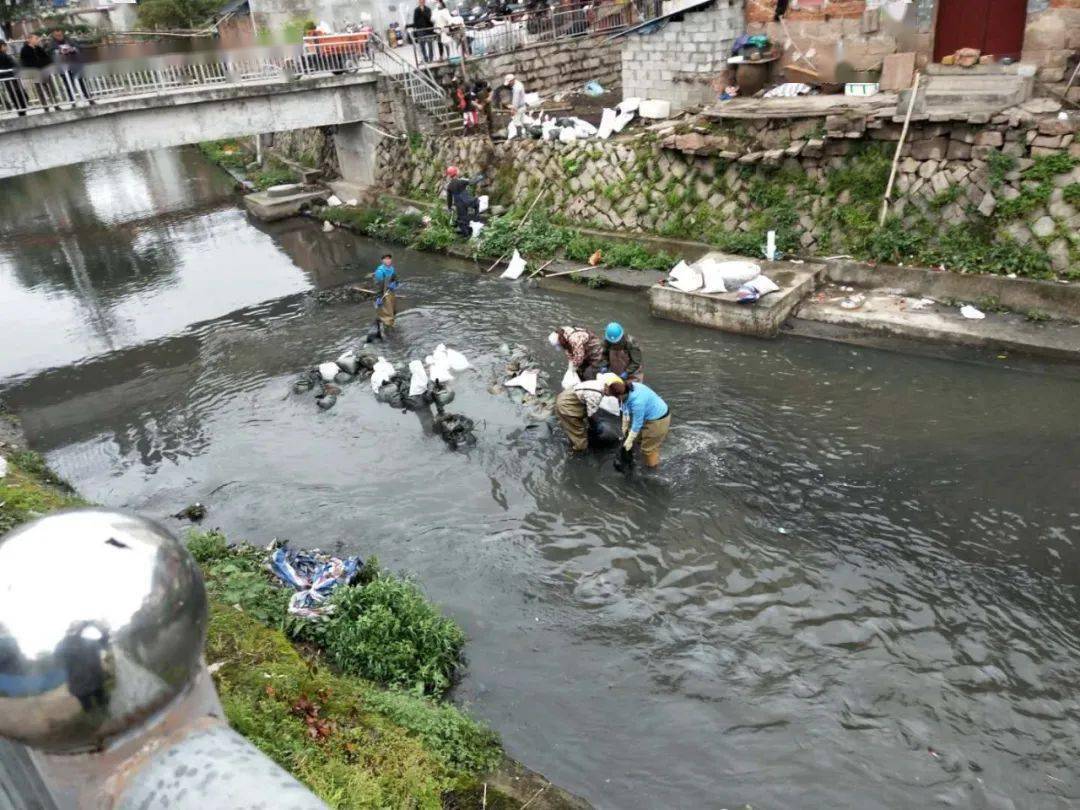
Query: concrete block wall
{"x": 680, "y": 62}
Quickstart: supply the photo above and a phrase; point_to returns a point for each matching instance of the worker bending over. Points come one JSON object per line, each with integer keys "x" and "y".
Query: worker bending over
{"x": 621, "y": 354}
{"x": 577, "y": 409}
{"x": 582, "y": 348}
{"x": 645, "y": 416}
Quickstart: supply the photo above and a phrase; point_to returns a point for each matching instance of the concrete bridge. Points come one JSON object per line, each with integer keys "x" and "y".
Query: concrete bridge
{"x": 189, "y": 115}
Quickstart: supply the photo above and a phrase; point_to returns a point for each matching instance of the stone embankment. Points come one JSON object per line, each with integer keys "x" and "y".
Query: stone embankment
{"x": 990, "y": 193}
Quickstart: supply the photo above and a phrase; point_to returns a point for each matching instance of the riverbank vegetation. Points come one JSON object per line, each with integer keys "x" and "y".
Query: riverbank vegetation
{"x": 351, "y": 705}
{"x": 234, "y": 156}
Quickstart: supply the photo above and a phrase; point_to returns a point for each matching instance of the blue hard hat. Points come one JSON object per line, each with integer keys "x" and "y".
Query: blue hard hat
{"x": 614, "y": 333}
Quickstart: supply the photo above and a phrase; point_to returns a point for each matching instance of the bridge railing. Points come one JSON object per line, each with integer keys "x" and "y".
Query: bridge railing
{"x": 523, "y": 28}
{"x": 61, "y": 87}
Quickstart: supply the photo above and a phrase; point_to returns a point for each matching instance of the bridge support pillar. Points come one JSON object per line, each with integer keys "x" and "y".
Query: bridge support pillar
{"x": 356, "y": 146}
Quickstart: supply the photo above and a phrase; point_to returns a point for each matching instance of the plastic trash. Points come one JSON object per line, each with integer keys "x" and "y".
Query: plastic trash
{"x": 313, "y": 575}
{"x": 384, "y": 370}
{"x": 515, "y": 268}
{"x": 607, "y": 124}
{"x": 333, "y": 200}
{"x": 526, "y": 379}
{"x": 328, "y": 371}
{"x": 418, "y": 382}
{"x": 594, "y": 88}
{"x": 482, "y": 203}
{"x": 788, "y": 90}
{"x": 327, "y": 226}
{"x": 968, "y": 311}
{"x": 685, "y": 278}
{"x": 570, "y": 378}
{"x": 476, "y": 228}
{"x": 628, "y": 105}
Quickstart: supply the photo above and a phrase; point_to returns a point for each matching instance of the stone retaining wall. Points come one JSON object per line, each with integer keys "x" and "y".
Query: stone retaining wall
{"x": 818, "y": 182}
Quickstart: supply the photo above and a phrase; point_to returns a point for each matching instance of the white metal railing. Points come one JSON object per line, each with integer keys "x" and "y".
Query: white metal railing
{"x": 62, "y": 86}
{"x": 418, "y": 85}
{"x": 512, "y": 31}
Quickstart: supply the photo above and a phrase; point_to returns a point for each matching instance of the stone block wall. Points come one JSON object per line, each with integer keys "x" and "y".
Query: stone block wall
{"x": 729, "y": 186}
{"x": 681, "y": 62}
{"x": 1051, "y": 37}
{"x": 548, "y": 67}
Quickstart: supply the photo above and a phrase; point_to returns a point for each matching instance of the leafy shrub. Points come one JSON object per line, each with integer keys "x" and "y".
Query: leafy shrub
{"x": 617, "y": 254}
{"x": 1071, "y": 194}
{"x": 539, "y": 237}
{"x": 1030, "y": 198}
{"x": 272, "y": 176}
{"x": 1047, "y": 167}
{"x": 388, "y": 632}
{"x": 227, "y": 153}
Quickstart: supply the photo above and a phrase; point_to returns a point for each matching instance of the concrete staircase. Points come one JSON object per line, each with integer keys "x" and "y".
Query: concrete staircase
{"x": 981, "y": 87}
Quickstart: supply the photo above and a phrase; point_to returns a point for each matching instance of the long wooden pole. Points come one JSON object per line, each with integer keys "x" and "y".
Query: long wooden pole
{"x": 899, "y": 149}
{"x": 528, "y": 213}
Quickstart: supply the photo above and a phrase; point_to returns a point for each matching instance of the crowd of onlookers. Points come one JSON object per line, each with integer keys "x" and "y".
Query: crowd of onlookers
{"x": 48, "y": 72}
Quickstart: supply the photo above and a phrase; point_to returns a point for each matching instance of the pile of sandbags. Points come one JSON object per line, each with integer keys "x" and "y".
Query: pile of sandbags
{"x": 326, "y": 379}
{"x": 568, "y": 129}
{"x": 710, "y": 276}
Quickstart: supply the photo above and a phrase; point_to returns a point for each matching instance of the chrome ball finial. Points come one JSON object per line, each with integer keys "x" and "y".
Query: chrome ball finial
{"x": 102, "y": 623}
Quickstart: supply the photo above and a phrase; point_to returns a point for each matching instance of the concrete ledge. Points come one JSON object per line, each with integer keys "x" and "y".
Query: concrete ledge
{"x": 1052, "y": 297}
{"x": 887, "y": 314}
{"x": 722, "y": 311}
{"x": 268, "y": 209}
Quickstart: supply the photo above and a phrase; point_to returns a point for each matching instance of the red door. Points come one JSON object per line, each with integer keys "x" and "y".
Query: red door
{"x": 993, "y": 26}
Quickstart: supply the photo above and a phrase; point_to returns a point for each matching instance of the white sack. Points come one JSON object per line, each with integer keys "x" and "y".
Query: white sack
{"x": 526, "y": 380}
{"x": 607, "y": 124}
{"x": 418, "y": 383}
{"x": 382, "y": 372}
{"x": 570, "y": 378}
{"x": 515, "y": 268}
{"x": 684, "y": 277}
{"x": 328, "y": 371}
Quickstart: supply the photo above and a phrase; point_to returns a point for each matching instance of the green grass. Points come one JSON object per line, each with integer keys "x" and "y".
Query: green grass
{"x": 227, "y": 153}
{"x": 30, "y": 490}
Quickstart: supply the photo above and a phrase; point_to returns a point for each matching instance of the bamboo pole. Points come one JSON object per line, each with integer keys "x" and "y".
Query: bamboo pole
{"x": 899, "y": 149}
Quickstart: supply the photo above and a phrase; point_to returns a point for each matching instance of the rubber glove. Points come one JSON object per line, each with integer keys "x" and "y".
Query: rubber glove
{"x": 624, "y": 375}
{"x": 378, "y": 302}
{"x": 604, "y": 369}
{"x": 628, "y": 445}
{"x": 625, "y": 424}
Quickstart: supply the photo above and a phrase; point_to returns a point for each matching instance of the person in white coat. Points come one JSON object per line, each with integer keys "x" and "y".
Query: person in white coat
{"x": 443, "y": 21}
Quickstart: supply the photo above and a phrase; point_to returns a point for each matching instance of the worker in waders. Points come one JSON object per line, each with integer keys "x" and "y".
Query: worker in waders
{"x": 460, "y": 200}
{"x": 645, "y": 416}
{"x": 385, "y": 299}
{"x": 578, "y": 409}
{"x": 622, "y": 356}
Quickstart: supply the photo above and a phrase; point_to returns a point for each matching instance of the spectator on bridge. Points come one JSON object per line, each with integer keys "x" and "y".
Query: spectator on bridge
{"x": 443, "y": 21}
{"x": 38, "y": 64}
{"x": 66, "y": 54}
{"x": 423, "y": 29}
{"x": 9, "y": 76}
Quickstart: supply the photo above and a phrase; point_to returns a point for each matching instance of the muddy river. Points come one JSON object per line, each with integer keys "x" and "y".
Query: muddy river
{"x": 854, "y": 582}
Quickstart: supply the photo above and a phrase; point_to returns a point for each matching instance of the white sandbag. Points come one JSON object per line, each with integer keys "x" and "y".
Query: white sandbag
{"x": 439, "y": 365}
{"x": 970, "y": 312}
{"x": 456, "y": 360}
{"x": 333, "y": 200}
{"x": 654, "y": 108}
{"x": 567, "y": 135}
{"x": 526, "y": 379}
{"x": 763, "y": 284}
{"x": 607, "y": 124}
{"x": 610, "y": 405}
{"x": 348, "y": 362}
{"x": 712, "y": 281}
{"x": 621, "y": 120}
{"x": 628, "y": 105}
{"x": 532, "y": 99}
{"x": 570, "y": 378}
{"x": 328, "y": 371}
{"x": 511, "y": 131}
{"x": 584, "y": 128}
{"x": 353, "y": 202}
{"x": 3, "y": 465}
{"x": 731, "y": 275}
{"x": 482, "y": 203}
{"x": 418, "y": 382}
{"x": 515, "y": 268}
{"x": 382, "y": 372}
{"x": 684, "y": 277}
{"x": 476, "y": 228}
{"x": 327, "y": 226}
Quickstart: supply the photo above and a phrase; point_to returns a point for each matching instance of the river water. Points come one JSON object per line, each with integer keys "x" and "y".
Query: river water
{"x": 853, "y": 583}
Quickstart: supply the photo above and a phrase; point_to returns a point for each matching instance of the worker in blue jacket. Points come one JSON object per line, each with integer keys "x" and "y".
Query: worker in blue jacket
{"x": 386, "y": 282}
{"x": 645, "y": 416}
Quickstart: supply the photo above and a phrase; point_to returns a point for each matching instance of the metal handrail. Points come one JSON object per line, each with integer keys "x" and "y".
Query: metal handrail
{"x": 60, "y": 86}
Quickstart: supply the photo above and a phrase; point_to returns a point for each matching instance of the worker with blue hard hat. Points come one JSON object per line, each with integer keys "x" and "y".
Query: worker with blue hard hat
{"x": 622, "y": 356}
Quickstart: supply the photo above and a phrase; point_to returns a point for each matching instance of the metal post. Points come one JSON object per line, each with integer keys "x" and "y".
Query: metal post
{"x": 102, "y": 674}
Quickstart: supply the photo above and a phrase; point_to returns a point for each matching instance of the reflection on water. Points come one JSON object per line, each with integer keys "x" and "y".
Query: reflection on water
{"x": 853, "y": 583}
